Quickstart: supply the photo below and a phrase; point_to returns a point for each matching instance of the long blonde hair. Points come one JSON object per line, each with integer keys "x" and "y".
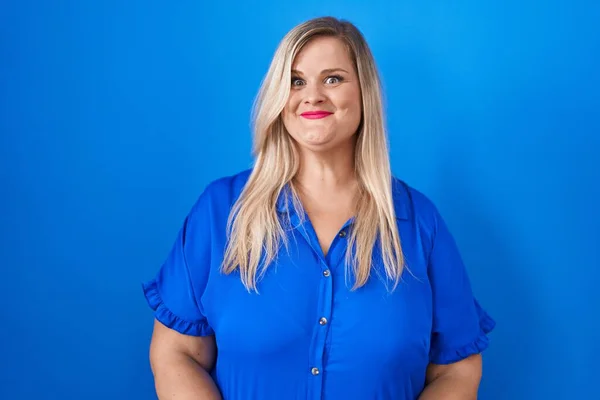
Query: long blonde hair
{"x": 255, "y": 231}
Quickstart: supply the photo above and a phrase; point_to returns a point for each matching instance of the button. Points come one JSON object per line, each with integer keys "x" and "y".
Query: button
{"x": 314, "y": 371}
{"x": 342, "y": 234}
{"x": 326, "y": 273}
{"x": 323, "y": 321}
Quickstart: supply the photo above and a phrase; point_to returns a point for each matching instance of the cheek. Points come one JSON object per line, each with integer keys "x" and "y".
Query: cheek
{"x": 349, "y": 100}
{"x": 292, "y": 103}
{"x": 289, "y": 113}
{"x": 356, "y": 101}
{"x": 350, "y": 107}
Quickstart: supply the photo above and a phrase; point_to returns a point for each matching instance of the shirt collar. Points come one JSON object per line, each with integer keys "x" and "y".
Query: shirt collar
{"x": 284, "y": 201}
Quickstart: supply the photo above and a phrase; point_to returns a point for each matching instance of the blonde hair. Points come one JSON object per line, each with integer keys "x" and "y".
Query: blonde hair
{"x": 255, "y": 231}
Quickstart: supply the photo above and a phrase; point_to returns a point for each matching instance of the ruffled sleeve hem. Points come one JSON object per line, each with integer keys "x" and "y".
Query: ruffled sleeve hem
{"x": 478, "y": 345}
{"x": 170, "y": 320}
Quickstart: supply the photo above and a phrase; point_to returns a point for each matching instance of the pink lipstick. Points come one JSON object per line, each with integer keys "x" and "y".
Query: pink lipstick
{"x": 316, "y": 114}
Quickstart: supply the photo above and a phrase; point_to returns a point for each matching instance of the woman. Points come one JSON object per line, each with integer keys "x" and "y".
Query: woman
{"x": 316, "y": 274}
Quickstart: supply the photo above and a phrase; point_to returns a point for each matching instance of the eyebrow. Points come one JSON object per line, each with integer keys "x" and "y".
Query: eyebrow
{"x": 325, "y": 71}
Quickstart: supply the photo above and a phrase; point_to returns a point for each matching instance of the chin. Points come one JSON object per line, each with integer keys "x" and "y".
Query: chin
{"x": 316, "y": 140}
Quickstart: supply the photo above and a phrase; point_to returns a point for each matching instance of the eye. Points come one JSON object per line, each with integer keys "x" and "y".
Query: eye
{"x": 333, "y": 79}
{"x": 297, "y": 81}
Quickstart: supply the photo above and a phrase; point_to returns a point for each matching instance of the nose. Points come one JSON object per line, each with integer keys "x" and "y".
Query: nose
{"x": 313, "y": 94}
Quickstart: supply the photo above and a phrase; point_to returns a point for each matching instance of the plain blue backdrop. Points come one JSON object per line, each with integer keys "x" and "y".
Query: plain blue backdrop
{"x": 115, "y": 115}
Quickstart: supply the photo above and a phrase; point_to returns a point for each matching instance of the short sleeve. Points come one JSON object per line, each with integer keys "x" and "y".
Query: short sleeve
{"x": 460, "y": 324}
{"x": 174, "y": 293}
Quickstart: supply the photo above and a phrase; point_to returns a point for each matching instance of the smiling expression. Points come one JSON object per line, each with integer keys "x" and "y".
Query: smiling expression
{"x": 324, "y": 106}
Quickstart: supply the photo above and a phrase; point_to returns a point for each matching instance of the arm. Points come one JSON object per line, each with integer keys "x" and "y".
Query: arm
{"x": 181, "y": 365}
{"x": 459, "y": 324}
{"x": 456, "y": 381}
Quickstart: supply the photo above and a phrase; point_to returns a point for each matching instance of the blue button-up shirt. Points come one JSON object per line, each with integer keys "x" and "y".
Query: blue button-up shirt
{"x": 306, "y": 335}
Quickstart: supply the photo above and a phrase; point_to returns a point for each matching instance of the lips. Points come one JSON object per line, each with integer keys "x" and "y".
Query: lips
{"x": 315, "y": 114}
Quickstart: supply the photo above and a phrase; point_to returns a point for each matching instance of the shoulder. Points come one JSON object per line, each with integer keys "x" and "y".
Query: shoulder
{"x": 412, "y": 204}
{"x": 421, "y": 215}
{"x": 219, "y": 195}
{"x": 227, "y": 186}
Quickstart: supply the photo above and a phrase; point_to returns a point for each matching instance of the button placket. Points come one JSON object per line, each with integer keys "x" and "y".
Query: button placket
{"x": 321, "y": 327}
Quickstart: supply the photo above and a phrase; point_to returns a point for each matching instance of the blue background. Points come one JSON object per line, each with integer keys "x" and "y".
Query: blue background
{"x": 115, "y": 115}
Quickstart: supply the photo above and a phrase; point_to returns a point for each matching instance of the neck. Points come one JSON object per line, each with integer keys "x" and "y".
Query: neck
{"x": 326, "y": 171}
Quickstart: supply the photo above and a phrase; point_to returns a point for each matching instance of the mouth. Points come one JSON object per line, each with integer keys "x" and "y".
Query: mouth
{"x": 315, "y": 114}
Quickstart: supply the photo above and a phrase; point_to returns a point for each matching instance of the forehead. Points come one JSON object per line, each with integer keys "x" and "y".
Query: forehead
{"x": 322, "y": 53}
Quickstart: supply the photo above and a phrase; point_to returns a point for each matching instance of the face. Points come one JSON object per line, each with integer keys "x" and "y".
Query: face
{"x": 324, "y": 107}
